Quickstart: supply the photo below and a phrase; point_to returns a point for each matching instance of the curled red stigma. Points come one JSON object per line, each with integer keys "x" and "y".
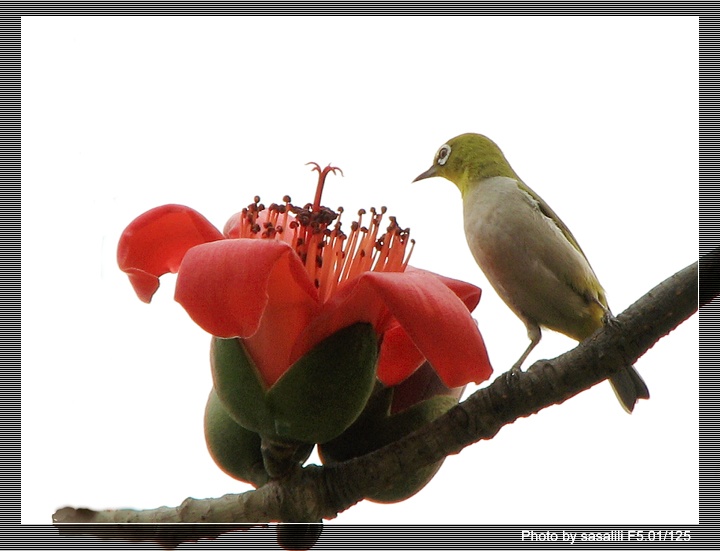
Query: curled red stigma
{"x": 321, "y": 181}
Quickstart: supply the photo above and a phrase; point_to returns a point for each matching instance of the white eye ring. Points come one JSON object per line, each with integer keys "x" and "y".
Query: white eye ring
{"x": 443, "y": 154}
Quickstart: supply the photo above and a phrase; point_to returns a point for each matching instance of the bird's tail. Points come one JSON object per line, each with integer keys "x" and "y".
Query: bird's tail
{"x": 629, "y": 388}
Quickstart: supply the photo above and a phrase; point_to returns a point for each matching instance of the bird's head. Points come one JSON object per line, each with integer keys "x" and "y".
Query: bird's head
{"x": 468, "y": 159}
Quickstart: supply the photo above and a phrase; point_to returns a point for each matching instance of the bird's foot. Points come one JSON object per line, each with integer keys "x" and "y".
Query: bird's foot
{"x": 609, "y": 319}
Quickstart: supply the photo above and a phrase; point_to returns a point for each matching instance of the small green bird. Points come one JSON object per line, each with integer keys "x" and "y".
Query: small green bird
{"x": 527, "y": 253}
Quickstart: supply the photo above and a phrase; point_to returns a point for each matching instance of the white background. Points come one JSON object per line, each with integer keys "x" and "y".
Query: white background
{"x": 599, "y": 116}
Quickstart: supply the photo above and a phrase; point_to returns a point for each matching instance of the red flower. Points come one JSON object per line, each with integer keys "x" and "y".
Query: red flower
{"x": 282, "y": 280}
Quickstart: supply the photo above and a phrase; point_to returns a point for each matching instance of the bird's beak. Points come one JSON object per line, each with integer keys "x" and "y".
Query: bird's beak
{"x": 429, "y": 173}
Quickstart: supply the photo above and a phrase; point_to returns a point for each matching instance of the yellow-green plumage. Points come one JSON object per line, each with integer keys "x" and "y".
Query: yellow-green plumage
{"x": 528, "y": 254}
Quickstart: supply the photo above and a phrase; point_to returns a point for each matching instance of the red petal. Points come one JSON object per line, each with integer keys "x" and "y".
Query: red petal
{"x": 467, "y": 292}
{"x": 256, "y": 289}
{"x": 398, "y": 355}
{"x": 232, "y": 226}
{"x": 438, "y": 323}
{"x": 434, "y": 318}
{"x": 156, "y": 242}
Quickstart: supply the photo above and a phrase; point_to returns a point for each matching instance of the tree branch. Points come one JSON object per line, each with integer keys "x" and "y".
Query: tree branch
{"x": 311, "y": 493}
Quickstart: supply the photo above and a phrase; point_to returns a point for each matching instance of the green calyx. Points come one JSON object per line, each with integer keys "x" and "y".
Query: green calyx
{"x": 316, "y": 399}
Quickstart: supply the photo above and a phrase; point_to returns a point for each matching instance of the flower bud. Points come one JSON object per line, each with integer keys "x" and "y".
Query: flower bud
{"x": 391, "y": 414}
{"x": 298, "y": 537}
{"x": 234, "y": 449}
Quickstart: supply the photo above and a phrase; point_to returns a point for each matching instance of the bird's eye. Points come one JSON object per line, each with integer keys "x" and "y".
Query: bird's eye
{"x": 443, "y": 154}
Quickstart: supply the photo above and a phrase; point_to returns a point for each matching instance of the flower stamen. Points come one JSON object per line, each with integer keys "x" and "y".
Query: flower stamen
{"x": 315, "y": 233}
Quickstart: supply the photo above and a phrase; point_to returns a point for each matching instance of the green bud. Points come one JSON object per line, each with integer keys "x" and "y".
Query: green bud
{"x": 234, "y": 449}
{"x": 379, "y": 426}
{"x": 400, "y": 425}
{"x": 298, "y": 537}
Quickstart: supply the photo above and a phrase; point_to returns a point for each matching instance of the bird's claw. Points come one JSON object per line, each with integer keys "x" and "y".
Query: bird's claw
{"x": 512, "y": 375}
{"x": 609, "y": 319}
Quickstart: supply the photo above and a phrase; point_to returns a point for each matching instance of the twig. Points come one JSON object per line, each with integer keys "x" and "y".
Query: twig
{"x": 313, "y": 492}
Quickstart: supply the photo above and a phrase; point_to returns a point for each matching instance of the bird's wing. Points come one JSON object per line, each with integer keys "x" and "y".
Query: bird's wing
{"x": 551, "y": 215}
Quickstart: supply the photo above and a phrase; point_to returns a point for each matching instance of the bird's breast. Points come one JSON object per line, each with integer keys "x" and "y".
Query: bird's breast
{"x": 540, "y": 275}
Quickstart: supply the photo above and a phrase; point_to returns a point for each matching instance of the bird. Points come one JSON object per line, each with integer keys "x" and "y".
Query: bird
{"x": 527, "y": 253}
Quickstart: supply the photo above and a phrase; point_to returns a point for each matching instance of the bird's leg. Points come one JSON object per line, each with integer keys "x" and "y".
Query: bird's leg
{"x": 534, "y": 334}
{"x": 608, "y": 318}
